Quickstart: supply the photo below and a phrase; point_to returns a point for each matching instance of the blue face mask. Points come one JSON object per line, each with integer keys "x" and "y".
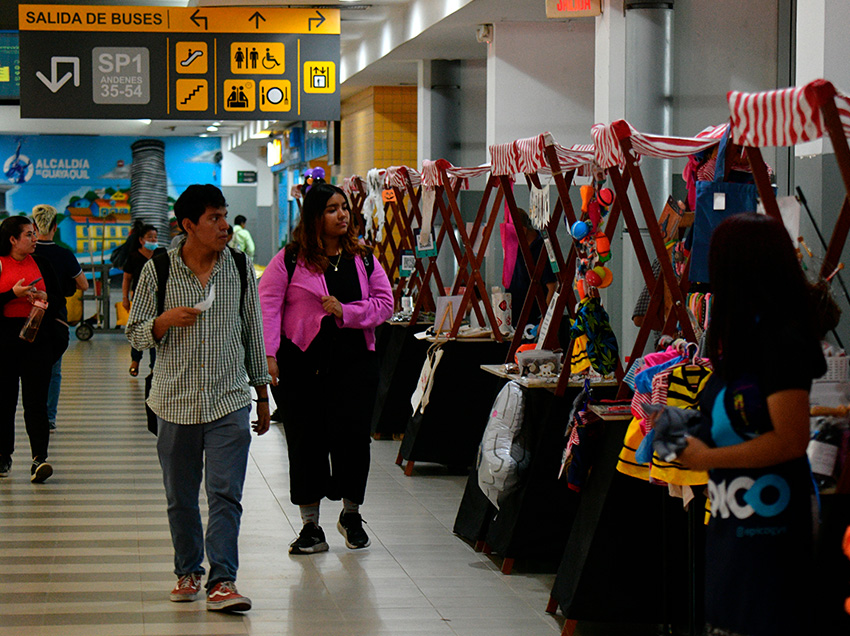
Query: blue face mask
{"x": 151, "y": 246}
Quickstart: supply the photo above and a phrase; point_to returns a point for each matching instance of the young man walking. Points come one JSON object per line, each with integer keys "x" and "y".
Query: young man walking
{"x": 209, "y": 341}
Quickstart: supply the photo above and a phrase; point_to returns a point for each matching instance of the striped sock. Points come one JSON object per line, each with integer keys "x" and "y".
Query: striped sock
{"x": 309, "y": 514}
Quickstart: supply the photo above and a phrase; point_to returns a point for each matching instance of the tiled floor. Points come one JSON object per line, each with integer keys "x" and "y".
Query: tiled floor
{"x": 89, "y": 553}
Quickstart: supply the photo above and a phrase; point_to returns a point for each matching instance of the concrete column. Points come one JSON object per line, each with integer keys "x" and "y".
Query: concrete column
{"x": 423, "y": 111}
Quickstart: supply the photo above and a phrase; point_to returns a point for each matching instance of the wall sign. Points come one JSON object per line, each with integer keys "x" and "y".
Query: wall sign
{"x": 179, "y": 63}
{"x": 246, "y": 176}
{"x": 573, "y": 8}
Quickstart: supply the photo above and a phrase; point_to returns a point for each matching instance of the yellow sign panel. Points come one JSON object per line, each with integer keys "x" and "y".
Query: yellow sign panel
{"x": 319, "y": 77}
{"x": 192, "y": 94}
{"x": 239, "y": 95}
{"x": 257, "y": 58}
{"x": 191, "y": 57}
{"x": 53, "y": 17}
{"x": 275, "y": 96}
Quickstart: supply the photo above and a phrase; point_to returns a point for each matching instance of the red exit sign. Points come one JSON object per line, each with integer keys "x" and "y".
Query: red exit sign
{"x": 573, "y": 8}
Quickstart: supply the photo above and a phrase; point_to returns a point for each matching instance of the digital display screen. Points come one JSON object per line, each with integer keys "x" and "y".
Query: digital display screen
{"x": 10, "y": 66}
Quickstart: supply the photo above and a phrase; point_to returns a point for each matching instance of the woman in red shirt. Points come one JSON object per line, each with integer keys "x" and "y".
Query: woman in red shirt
{"x": 22, "y": 276}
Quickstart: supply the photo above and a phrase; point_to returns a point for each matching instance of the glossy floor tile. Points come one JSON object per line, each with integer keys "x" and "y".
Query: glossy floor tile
{"x": 88, "y": 553}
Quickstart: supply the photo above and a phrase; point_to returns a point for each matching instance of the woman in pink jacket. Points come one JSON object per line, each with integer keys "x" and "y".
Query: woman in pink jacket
{"x": 322, "y": 298}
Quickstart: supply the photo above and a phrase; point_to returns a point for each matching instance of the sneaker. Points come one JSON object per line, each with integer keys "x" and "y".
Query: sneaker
{"x": 52, "y": 426}
{"x": 350, "y": 526}
{"x": 5, "y": 466}
{"x": 310, "y": 541}
{"x": 223, "y": 597}
{"x": 40, "y": 471}
{"x": 187, "y": 588}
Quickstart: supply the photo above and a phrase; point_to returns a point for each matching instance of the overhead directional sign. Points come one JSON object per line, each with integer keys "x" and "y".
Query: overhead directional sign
{"x": 138, "y": 62}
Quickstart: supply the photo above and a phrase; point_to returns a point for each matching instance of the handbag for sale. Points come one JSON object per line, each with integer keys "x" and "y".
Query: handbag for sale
{"x": 716, "y": 200}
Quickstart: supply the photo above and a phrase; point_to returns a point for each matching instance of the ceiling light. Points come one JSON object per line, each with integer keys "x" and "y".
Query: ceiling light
{"x": 212, "y": 128}
{"x": 146, "y": 122}
{"x": 203, "y": 135}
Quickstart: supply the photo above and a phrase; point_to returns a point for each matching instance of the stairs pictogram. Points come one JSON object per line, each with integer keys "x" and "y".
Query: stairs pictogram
{"x": 200, "y": 87}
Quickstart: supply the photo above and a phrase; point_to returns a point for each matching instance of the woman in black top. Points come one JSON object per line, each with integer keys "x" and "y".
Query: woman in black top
{"x": 764, "y": 347}
{"x": 142, "y": 246}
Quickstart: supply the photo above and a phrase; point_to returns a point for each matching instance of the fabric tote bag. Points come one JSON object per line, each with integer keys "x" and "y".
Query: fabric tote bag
{"x": 510, "y": 247}
{"x": 717, "y": 200}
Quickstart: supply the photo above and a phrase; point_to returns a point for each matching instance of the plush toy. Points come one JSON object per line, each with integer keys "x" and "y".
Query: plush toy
{"x": 310, "y": 175}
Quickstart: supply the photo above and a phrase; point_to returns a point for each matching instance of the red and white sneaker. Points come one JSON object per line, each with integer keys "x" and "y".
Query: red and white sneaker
{"x": 187, "y": 588}
{"x": 223, "y": 597}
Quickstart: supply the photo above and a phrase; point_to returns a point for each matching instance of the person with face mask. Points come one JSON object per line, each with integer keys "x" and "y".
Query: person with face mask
{"x": 141, "y": 250}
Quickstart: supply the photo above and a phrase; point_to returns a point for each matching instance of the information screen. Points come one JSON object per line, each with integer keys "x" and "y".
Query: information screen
{"x": 10, "y": 67}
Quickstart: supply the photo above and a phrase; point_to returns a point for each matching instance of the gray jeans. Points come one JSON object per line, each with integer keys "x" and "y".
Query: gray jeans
{"x": 219, "y": 451}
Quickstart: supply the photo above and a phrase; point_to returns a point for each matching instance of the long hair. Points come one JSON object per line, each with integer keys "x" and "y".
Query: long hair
{"x": 11, "y": 227}
{"x": 758, "y": 290}
{"x": 307, "y": 235}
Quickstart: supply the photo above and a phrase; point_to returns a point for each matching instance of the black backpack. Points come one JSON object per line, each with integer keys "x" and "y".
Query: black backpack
{"x": 162, "y": 266}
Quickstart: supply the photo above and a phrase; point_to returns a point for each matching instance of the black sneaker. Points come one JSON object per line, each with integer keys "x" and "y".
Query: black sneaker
{"x": 350, "y": 525}
{"x": 5, "y": 466}
{"x": 40, "y": 471}
{"x": 310, "y": 541}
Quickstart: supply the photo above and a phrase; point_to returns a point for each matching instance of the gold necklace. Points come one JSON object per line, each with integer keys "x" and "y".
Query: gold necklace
{"x": 338, "y": 259}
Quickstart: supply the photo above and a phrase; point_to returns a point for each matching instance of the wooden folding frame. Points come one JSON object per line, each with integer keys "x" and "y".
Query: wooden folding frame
{"x": 469, "y": 260}
{"x": 406, "y": 186}
{"x": 535, "y": 156}
{"x": 623, "y": 167}
{"x": 817, "y": 108}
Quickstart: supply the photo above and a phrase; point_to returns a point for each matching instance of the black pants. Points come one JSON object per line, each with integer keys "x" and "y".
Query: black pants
{"x": 28, "y": 365}
{"x": 328, "y": 424}
{"x": 136, "y": 355}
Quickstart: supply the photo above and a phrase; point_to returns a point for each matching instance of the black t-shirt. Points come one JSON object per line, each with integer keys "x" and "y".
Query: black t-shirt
{"x": 135, "y": 262}
{"x": 521, "y": 281}
{"x": 64, "y": 264}
{"x": 334, "y": 348}
{"x": 759, "y": 538}
{"x": 66, "y": 267}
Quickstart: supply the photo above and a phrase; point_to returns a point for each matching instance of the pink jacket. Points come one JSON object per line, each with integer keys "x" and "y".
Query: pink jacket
{"x": 294, "y": 308}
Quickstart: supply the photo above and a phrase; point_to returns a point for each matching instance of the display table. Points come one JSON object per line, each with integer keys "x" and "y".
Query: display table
{"x": 450, "y": 429}
{"x": 534, "y": 520}
{"x": 627, "y": 557}
{"x": 400, "y": 358}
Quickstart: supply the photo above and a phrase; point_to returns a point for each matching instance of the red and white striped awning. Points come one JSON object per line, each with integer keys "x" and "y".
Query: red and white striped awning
{"x": 609, "y": 153}
{"x": 528, "y": 156}
{"x": 397, "y": 176}
{"x": 785, "y": 117}
{"x": 432, "y": 178}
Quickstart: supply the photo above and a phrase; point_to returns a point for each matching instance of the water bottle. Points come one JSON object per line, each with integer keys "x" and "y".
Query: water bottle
{"x": 33, "y": 322}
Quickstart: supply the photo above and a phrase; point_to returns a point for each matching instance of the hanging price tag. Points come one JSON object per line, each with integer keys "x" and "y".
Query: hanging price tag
{"x": 408, "y": 264}
{"x": 550, "y": 251}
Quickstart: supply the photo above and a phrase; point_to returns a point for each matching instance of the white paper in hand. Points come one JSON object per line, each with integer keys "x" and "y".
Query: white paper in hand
{"x": 208, "y": 301}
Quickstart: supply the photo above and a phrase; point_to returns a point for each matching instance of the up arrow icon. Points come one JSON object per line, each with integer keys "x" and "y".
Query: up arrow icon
{"x": 55, "y": 84}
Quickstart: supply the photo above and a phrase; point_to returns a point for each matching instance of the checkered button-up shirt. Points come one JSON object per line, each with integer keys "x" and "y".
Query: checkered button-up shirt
{"x": 202, "y": 372}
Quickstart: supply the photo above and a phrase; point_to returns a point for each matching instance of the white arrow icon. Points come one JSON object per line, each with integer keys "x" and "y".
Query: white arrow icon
{"x": 53, "y": 84}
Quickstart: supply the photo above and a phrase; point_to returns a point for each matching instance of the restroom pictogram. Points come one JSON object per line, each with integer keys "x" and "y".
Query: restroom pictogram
{"x": 257, "y": 58}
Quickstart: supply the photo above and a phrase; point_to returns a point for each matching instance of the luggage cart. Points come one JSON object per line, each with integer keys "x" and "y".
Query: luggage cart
{"x": 98, "y": 267}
